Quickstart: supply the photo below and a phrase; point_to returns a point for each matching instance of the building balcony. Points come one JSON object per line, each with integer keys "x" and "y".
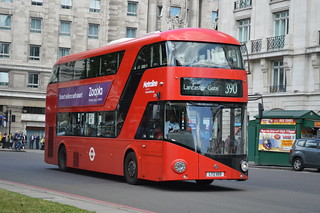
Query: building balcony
{"x": 256, "y": 46}
{"x": 240, "y": 4}
{"x": 275, "y": 43}
{"x": 278, "y": 88}
{"x": 268, "y": 44}
{"x": 270, "y": 47}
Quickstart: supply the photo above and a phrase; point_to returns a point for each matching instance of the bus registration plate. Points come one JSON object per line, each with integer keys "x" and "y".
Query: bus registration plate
{"x": 215, "y": 174}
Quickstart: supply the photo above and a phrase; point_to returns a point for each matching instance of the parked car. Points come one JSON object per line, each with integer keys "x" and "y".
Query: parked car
{"x": 305, "y": 153}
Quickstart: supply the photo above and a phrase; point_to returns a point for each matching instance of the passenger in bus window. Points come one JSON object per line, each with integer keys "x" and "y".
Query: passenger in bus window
{"x": 171, "y": 125}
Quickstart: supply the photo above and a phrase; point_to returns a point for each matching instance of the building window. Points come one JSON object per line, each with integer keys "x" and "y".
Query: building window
{"x": 242, "y": 4}
{"x": 65, "y": 28}
{"x": 4, "y": 50}
{"x": 159, "y": 12}
{"x": 132, "y": 8}
{"x": 94, "y": 6}
{"x": 93, "y": 31}
{"x": 5, "y": 22}
{"x": 131, "y": 32}
{"x": 281, "y": 23}
{"x": 4, "y": 78}
{"x": 35, "y": 25}
{"x": 34, "y": 54}
{"x": 214, "y": 18}
{"x": 63, "y": 52}
{"x": 279, "y": 83}
{"x": 37, "y": 2}
{"x": 66, "y": 4}
{"x": 244, "y": 30}
{"x": 33, "y": 80}
{"x": 34, "y": 110}
{"x": 175, "y": 11}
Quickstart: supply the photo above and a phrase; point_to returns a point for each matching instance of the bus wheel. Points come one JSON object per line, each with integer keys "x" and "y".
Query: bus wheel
{"x": 204, "y": 182}
{"x": 62, "y": 159}
{"x": 131, "y": 168}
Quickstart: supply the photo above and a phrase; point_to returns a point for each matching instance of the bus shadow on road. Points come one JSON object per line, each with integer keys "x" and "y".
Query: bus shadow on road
{"x": 164, "y": 185}
{"x": 187, "y": 186}
{"x": 97, "y": 175}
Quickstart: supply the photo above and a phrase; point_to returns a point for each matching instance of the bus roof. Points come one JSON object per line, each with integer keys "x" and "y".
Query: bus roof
{"x": 183, "y": 34}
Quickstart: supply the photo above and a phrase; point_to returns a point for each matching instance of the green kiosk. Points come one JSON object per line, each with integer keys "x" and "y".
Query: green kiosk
{"x": 271, "y": 136}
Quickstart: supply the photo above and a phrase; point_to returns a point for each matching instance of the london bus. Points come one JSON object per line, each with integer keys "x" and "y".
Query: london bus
{"x": 168, "y": 106}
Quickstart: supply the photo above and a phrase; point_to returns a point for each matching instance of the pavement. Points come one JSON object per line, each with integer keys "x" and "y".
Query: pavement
{"x": 89, "y": 204}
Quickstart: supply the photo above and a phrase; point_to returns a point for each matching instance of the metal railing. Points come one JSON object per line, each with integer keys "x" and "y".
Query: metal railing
{"x": 275, "y": 43}
{"x": 278, "y": 88}
{"x": 256, "y": 46}
{"x": 242, "y": 4}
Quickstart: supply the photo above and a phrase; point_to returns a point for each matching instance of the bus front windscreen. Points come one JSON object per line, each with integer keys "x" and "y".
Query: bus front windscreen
{"x": 210, "y": 129}
{"x": 199, "y": 54}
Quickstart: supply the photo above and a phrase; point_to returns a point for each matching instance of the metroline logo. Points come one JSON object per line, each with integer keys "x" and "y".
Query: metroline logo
{"x": 148, "y": 84}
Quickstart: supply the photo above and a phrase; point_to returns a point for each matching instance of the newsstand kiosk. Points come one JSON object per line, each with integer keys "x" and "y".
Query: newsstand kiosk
{"x": 272, "y": 135}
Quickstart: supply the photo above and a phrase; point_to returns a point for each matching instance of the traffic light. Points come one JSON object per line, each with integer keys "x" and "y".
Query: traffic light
{"x": 1, "y": 121}
{"x": 13, "y": 118}
{"x": 6, "y": 116}
{"x": 261, "y": 109}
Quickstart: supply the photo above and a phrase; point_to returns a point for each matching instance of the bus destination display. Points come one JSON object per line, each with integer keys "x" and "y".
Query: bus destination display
{"x": 211, "y": 87}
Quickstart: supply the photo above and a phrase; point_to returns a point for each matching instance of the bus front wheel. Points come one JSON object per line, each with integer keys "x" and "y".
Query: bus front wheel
{"x": 131, "y": 168}
{"x": 62, "y": 159}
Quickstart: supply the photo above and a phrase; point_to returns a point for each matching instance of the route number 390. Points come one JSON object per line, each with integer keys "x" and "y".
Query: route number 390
{"x": 231, "y": 89}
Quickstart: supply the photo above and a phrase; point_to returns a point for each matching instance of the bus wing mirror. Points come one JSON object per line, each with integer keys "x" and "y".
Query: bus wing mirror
{"x": 245, "y": 54}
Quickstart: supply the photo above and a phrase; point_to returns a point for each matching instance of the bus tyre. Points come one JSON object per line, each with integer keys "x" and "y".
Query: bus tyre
{"x": 62, "y": 159}
{"x": 131, "y": 168}
{"x": 204, "y": 182}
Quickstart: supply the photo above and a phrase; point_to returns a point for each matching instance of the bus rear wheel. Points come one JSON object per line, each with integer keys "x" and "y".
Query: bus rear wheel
{"x": 62, "y": 159}
{"x": 131, "y": 168}
{"x": 204, "y": 182}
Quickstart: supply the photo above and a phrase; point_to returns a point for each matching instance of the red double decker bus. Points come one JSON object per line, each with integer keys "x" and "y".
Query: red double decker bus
{"x": 166, "y": 106}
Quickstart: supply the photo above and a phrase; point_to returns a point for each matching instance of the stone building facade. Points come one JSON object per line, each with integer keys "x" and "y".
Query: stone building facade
{"x": 282, "y": 38}
{"x": 35, "y": 33}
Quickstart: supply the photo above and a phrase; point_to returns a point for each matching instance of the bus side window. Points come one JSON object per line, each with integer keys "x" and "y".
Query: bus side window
{"x": 111, "y": 63}
{"x": 106, "y": 125}
{"x": 158, "y": 55}
{"x": 143, "y": 59}
{"x": 79, "y": 69}
{"x": 151, "y": 125}
{"x": 94, "y": 66}
{"x": 54, "y": 78}
{"x": 66, "y": 72}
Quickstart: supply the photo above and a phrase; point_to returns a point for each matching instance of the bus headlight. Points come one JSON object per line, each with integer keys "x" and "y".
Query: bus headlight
{"x": 244, "y": 165}
{"x": 179, "y": 166}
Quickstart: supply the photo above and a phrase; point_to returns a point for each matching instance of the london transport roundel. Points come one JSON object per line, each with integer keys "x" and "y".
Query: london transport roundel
{"x": 92, "y": 154}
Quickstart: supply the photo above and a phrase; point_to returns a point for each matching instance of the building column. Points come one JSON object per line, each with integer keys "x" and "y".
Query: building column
{"x": 315, "y": 61}
{"x": 264, "y": 64}
{"x": 152, "y": 16}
